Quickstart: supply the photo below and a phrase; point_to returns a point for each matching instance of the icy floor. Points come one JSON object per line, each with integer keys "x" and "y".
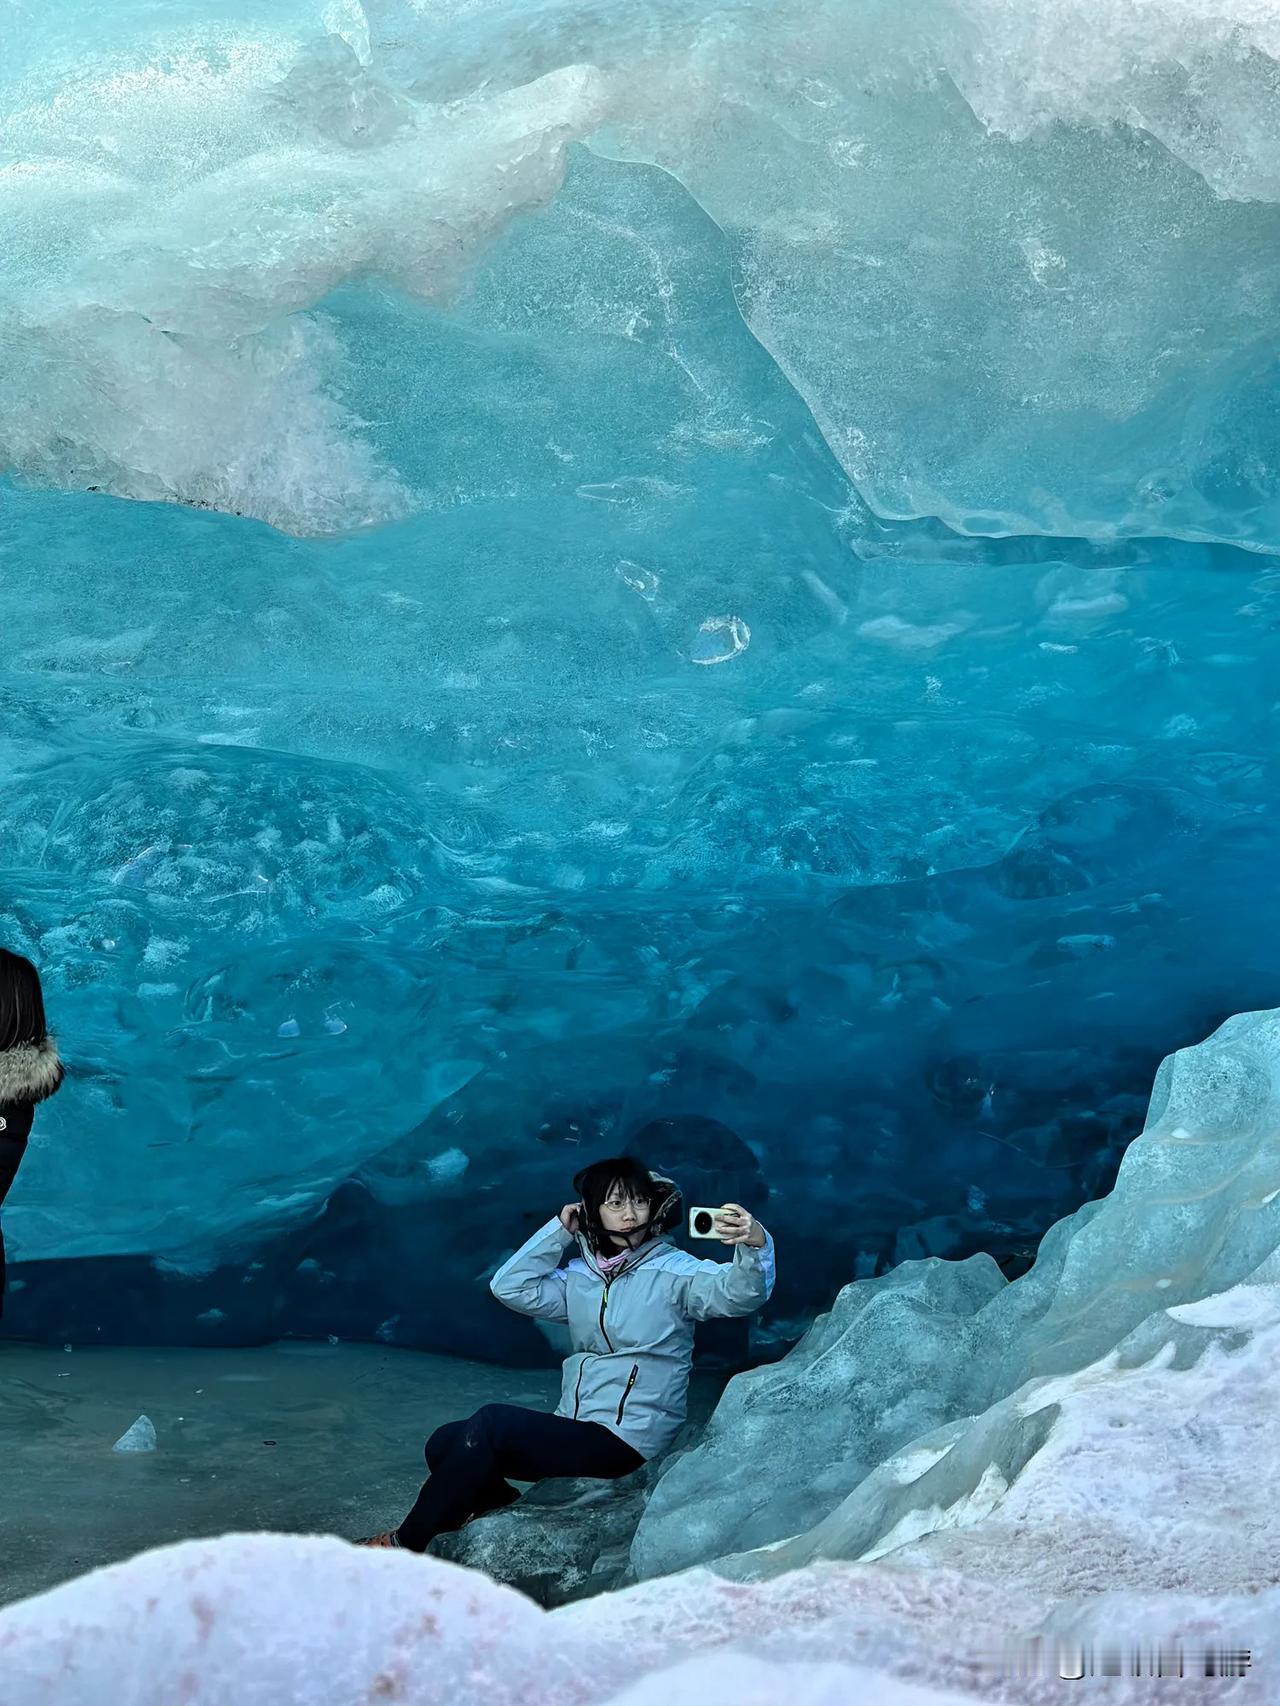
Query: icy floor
{"x": 1145, "y": 1513}
{"x": 348, "y": 1424}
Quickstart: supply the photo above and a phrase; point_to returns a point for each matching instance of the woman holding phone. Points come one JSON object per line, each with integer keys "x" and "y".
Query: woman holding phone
{"x": 630, "y": 1298}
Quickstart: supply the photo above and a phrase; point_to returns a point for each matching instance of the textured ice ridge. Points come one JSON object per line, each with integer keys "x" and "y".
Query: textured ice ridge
{"x": 926, "y": 1397}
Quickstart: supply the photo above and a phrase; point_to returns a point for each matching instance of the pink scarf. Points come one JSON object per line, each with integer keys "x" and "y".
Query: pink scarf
{"x": 609, "y": 1265}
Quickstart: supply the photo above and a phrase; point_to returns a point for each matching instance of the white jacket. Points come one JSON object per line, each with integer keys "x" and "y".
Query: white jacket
{"x": 632, "y": 1334}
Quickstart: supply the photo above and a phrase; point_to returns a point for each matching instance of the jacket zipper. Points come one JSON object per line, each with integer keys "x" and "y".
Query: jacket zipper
{"x": 635, "y": 1369}
{"x": 604, "y": 1298}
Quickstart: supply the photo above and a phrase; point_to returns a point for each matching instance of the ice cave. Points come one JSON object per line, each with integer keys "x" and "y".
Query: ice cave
{"x": 692, "y": 584}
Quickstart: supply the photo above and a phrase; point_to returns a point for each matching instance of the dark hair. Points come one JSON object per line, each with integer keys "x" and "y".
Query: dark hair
{"x": 21, "y": 1002}
{"x": 594, "y": 1183}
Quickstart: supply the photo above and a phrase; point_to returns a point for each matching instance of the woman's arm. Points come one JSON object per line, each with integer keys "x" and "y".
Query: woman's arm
{"x": 532, "y": 1280}
{"x": 712, "y": 1289}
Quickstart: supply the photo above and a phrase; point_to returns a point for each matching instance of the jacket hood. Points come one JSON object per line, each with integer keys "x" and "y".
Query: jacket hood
{"x": 30, "y": 1071}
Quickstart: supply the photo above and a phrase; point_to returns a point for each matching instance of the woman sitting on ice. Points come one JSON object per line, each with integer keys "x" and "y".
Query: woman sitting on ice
{"x": 630, "y": 1299}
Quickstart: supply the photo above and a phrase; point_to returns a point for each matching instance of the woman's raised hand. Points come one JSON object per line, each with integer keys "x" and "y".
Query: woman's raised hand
{"x": 569, "y": 1216}
{"x": 735, "y": 1226}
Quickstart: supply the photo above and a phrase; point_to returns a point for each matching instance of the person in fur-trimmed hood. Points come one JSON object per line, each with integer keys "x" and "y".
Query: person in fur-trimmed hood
{"x": 30, "y": 1070}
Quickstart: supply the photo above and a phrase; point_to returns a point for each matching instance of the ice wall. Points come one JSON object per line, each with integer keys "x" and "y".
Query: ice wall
{"x": 939, "y": 1398}
{"x": 706, "y": 564}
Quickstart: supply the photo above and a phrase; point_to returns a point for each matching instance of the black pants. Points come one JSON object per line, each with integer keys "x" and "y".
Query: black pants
{"x": 469, "y": 1462}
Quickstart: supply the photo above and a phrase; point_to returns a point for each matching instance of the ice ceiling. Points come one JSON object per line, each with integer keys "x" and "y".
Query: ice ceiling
{"x": 566, "y": 567}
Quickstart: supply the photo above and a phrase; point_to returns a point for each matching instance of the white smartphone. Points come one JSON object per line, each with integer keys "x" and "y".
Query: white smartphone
{"x": 702, "y": 1223}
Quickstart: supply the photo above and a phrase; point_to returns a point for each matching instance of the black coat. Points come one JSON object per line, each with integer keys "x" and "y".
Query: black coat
{"x": 15, "y": 1128}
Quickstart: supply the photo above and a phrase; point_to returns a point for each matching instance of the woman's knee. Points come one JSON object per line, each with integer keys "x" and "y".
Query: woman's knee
{"x": 482, "y": 1428}
{"x": 479, "y": 1429}
{"x": 481, "y": 1425}
{"x": 440, "y": 1442}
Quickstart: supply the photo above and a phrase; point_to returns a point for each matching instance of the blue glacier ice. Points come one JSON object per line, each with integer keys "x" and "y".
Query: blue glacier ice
{"x": 691, "y": 575}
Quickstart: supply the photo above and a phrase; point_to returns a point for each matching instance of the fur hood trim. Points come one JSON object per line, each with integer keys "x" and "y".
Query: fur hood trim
{"x": 30, "y": 1071}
